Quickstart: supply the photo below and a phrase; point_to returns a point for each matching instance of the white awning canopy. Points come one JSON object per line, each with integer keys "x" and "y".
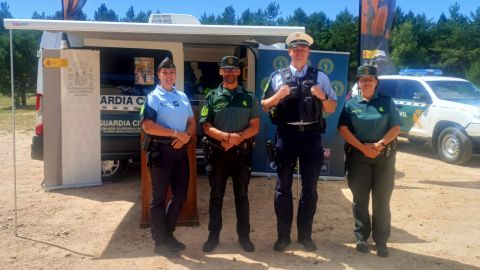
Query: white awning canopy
{"x": 185, "y": 33}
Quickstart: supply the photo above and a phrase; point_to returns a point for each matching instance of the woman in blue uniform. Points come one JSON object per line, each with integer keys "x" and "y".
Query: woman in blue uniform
{"x": 167, "y": 116}
{"x": 370, "y": 123}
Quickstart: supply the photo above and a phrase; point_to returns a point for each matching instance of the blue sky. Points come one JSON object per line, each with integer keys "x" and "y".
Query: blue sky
{"x": 431, "y": 8}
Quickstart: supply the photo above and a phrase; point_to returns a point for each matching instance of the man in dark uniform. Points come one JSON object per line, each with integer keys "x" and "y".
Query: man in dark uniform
{"x": 370, "y": 123}
{"x": 167, "y": 118}
{"x": 296, "y": 97}
{"x": 230, "y": 120}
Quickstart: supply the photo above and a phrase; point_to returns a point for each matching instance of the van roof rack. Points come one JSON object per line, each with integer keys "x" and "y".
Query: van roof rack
{"x": 421, "y": 72}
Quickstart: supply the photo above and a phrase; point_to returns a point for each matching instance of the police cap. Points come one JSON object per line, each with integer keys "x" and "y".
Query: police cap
{"x": 166, "y": 63}
{"x": 366, "y": 70}
{"x": 229, "y": 62}
{"x": 298, "y": 38}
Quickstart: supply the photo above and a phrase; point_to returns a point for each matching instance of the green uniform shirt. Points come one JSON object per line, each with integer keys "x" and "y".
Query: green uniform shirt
{"x": 369, "y": 120}
{"x": 229, "y": 110}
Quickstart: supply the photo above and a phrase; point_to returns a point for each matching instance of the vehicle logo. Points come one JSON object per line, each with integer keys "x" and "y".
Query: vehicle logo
{"x": 280, "y": 62}
{"x": 338, "y": 87}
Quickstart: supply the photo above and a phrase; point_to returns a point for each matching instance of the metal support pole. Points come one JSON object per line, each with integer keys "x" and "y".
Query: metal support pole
{"x": 12, "y": 84}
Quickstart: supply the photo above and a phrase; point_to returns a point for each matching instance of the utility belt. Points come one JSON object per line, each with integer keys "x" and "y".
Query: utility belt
{"x": 301, "y": 128}
{"x": 386, "y": 151}
{"x": 209, "y": 145}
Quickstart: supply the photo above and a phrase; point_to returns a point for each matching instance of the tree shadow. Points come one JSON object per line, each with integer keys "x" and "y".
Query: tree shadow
{"x": 426, "y": 151}
{"x": 456, "y": 184}
{"x": 333, "y": 227}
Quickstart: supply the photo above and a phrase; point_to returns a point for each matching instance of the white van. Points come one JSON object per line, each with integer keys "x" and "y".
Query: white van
{"x": 443, "y": 111}
{"x": 196, "y": 50}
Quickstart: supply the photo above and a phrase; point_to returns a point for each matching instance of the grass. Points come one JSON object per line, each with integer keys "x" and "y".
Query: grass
{"x": 24, "y": 117}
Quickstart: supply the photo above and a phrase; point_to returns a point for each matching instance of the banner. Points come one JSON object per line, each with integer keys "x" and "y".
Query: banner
{"x": 376, "y": 19}
{"x": 71, "y": 8}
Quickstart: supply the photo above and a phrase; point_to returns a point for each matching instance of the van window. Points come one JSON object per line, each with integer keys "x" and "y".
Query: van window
{"x": 413, "y": 91}
{"x": 388, "y": 88}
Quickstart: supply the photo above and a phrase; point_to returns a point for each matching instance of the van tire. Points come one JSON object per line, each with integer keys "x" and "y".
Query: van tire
{"x": 113, "y": 170}
{"x": 454, "y": 146}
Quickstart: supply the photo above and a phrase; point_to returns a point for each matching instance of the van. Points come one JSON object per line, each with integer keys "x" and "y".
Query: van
{"x": 196, "y": 49}
{"x": 441, "y": 111}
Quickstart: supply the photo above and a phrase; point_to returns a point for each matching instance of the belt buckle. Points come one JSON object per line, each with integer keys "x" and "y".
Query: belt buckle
{"x": 301, "y": 128}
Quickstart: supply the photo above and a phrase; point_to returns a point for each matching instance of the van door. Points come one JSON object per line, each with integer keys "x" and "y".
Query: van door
{"x": 413, "y": 102}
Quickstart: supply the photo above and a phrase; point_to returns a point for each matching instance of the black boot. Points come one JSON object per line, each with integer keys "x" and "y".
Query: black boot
{"x": 246, "y": 243}
{"x": 173, "y": 244}
{"x": 212, "y": 243}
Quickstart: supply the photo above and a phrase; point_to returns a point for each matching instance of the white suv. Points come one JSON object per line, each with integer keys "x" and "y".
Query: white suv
{"x": 443, "y": 111}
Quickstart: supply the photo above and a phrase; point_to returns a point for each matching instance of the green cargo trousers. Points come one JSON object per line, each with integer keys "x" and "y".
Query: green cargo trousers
{"x": 375, "y": 176}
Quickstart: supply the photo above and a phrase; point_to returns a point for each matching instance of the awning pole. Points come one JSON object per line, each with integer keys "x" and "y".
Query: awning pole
{"x": 13, "y": 133}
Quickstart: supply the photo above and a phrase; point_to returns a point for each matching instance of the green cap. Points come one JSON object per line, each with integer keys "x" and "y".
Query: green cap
{"x": 229, "y": 62}
{"x": 366, "y": 71}
{"x": 166, "y": 63}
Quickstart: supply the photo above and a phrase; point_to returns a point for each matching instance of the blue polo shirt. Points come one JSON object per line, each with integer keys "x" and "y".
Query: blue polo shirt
{"x": 168, "y": 109}
{"x": 322, "y": 81}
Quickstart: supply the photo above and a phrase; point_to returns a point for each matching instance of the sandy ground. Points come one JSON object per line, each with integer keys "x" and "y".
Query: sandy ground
{"x": 435, "y": 222}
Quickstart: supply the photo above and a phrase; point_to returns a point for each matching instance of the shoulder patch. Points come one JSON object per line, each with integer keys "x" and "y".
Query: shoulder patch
{"x": 204, "y": 111}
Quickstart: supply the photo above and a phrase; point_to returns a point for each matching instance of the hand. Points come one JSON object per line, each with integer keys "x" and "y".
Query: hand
{"x": 370, "y": 151}
{"x": 183, "y": 136}
{"x": 226, "y": 145}
{"x": 378, "y": 146}
{"x": 177, "y": 144}
{"x": 318, "y": 92}
{"x": 283, "y": 91}
{"x": 235, "y": 139}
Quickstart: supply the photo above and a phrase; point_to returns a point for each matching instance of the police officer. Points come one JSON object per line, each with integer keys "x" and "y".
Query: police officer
{"x": 230, "y": 119}
{"x": 296, "y": 97}
{"x": 167, "y": 116}
{"x": 370, "y": 123}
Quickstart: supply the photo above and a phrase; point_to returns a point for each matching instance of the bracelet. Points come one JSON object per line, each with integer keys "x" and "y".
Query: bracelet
{"x": 382, "y": 143}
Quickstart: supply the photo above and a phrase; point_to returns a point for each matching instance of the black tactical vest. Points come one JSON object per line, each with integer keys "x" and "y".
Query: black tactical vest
{"x": 300, "y": 105}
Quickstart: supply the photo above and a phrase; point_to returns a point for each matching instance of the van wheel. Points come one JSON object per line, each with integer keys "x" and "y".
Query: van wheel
{"x": 112, "y": 170}
{"x": 454, "y": 146}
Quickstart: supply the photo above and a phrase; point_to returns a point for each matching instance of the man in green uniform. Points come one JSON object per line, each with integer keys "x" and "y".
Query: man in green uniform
{"x": 370, "y": 123}
{"x": 230, "y": 119}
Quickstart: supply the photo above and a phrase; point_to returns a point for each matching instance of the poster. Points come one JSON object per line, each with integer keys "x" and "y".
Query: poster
{"x": 144, "y": 71}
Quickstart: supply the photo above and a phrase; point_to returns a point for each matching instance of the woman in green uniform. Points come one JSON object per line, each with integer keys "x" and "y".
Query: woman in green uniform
{"x": 370, "y": 123}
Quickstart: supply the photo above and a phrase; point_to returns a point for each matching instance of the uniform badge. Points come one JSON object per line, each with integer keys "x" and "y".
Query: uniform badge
{"x": 381, "y": 109}
{"x": 204, "y": 111}
{"x": 175, "y": 103}
{"x": 244, "y": 103}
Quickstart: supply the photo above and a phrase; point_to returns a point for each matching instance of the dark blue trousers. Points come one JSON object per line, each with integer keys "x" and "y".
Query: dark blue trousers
{"x": 307, "y": 146}
{"x": 225, "y": 164}
{"x": 171, "y": 168}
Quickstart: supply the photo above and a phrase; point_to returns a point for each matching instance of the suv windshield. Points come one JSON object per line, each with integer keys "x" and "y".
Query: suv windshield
{"x": 455, "y": 90}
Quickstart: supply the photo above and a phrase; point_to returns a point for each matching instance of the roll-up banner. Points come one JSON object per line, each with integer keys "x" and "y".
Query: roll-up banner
{"x": 376, "y": 19}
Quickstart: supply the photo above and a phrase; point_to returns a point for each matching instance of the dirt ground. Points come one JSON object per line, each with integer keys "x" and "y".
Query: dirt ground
{"x": 435, "y": 222}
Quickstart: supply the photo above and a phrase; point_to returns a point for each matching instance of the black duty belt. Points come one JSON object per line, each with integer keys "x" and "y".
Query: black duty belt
{"x": 162, "y": 140}
{"x": 301, "y": 128}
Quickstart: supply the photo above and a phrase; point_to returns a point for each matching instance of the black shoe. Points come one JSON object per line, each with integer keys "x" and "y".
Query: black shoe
{"x": 211, "y": 244}
{"x": 281, "y": 244}
{"x": 173, "y": 244}
{"x": 246, "y": 243}
{"x": 362, "y": 246}
{"x": 308, "y": 244}
{"x": 382, "y": 250}
{"x": 163, "y": 250}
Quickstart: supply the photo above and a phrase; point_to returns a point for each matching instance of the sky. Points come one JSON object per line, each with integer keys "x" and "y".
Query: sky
{"x": 23, "y": 9}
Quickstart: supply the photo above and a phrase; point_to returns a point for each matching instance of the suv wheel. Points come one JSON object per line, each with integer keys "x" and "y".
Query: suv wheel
{"x": 113, "y": 169}
{"x": 454, "y": 146}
